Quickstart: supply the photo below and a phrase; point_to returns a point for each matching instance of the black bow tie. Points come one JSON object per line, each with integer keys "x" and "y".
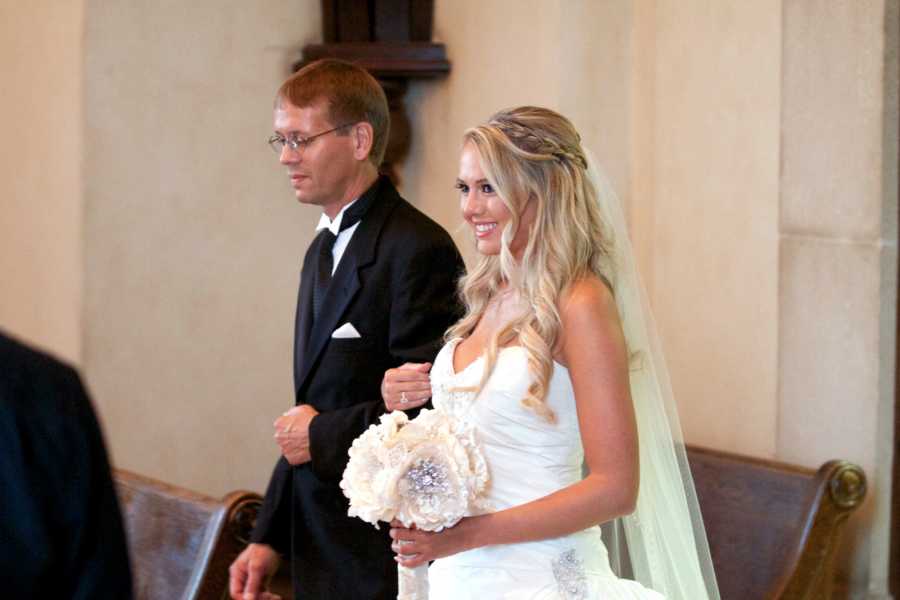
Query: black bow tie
{"x": 326, "y": 240}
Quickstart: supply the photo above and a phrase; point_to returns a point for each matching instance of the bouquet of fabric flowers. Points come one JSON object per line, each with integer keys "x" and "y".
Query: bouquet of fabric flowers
{"x": 428, "y": 471}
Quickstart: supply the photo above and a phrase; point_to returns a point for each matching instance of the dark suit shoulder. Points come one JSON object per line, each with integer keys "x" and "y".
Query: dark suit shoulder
{"x": 25, "y": 370}
{"x": 16, "y": 353}
{"x": 412, "y": 228}
{"x": 416, "y": 246}
{"x": 43, "y": 400}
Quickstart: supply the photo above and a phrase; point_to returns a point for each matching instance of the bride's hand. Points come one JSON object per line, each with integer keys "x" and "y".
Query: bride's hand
{"x": 415, "y": 547}
{"x": 407, "y": 386}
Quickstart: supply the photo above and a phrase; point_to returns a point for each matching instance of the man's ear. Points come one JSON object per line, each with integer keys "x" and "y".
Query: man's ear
{"x": 363, "y": 140}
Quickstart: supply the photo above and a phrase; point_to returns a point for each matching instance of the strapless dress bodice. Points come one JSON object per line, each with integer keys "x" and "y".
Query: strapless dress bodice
{"x": 528, "y": 457}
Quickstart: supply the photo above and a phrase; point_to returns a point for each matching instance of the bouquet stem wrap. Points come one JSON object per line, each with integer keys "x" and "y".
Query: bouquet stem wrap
{"x": 428, "y": 472}
{"x": 413, "y": 583}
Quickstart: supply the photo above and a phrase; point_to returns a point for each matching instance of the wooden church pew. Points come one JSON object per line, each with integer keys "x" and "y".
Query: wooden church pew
{"x": 774, "y": 528}
{"x": 181, "y": 542}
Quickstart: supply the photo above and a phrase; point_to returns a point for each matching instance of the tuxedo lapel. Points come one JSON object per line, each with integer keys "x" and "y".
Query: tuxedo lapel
{"x": 342, "y": 289}
{"x": 346, "y": 281}
{"x": 303, "y": 318}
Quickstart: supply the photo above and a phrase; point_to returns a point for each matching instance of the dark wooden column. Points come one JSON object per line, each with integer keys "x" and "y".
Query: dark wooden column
{"x": 392, "y": 40}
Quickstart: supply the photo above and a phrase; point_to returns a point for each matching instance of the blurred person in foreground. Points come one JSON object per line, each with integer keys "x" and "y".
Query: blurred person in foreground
{"x": 61, "y": 533}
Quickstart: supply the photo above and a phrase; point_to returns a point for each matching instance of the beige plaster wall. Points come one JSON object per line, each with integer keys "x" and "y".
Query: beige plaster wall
{"x": 40, "y": 173}
{"x": 193, "y": 239}
{"x": 704, "y": 209}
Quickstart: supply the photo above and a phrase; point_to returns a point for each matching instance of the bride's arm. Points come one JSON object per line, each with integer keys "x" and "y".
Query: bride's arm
{"x": 592, "y": 346}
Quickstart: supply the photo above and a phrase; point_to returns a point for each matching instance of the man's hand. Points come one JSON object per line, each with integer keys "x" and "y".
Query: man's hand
{"x": 292, "y": 433}
{"x": 250, "y": 572}
{"x": 408, "y": 386}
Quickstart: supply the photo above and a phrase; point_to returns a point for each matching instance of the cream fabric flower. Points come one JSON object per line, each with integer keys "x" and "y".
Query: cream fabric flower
{"x": 428, "y": 471}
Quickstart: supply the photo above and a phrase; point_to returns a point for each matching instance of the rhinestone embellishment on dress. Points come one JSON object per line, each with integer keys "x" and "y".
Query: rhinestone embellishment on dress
{"x": 569, "y": 573}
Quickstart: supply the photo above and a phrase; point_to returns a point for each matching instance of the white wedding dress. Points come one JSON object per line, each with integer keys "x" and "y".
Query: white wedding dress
{"x": 528, "y": 458}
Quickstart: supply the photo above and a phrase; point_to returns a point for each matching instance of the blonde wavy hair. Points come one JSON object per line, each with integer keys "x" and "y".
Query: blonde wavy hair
{"x": 532, "y": 154}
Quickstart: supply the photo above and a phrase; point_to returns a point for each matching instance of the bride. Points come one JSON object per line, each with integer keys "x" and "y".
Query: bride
{"x": 556, "y": 366}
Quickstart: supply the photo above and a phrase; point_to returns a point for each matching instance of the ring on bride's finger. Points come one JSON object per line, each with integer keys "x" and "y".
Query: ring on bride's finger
{"x": 403, "y": 398}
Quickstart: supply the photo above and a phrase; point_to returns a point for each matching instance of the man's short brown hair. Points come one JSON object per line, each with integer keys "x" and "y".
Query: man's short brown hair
{"x": 351, "y": 93}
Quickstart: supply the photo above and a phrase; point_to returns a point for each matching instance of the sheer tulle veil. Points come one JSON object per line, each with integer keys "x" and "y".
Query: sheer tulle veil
{"x": 662, "y": 544}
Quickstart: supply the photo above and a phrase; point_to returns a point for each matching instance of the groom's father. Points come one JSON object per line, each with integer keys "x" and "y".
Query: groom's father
{"x": 377, "y": 290}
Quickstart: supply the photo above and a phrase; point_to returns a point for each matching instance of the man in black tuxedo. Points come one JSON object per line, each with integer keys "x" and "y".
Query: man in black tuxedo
{"x": 61, "y": 533}
{"x": 377, "y": 289}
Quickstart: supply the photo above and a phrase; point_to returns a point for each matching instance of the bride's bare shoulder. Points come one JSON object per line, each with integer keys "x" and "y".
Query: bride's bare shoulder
{"x": 589, "y": 321}
{"x": 587, "y": 298}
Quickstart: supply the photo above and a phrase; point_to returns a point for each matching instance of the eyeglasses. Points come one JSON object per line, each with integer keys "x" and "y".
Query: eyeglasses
{"x": 297, "y": 143}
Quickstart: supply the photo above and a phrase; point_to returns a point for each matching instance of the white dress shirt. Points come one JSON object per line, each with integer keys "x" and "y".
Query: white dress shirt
{"x": 343, "y": 237}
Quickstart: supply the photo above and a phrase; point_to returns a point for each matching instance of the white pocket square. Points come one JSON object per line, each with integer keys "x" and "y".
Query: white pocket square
{"x": 346, "y": 331}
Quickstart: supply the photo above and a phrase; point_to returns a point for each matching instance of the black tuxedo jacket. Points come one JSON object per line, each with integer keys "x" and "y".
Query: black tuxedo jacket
{"x": 396, "y": 284}
{"x": 61, "y": 533}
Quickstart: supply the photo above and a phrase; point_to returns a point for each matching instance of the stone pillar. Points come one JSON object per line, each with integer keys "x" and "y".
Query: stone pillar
{"x": 838, "y": 254}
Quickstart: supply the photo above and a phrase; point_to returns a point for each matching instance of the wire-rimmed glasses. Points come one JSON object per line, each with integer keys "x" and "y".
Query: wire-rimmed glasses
{"x": 297, "y": 142}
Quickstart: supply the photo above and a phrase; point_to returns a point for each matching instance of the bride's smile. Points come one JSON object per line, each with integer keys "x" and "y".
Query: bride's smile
{"x": 485, "y": 211}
